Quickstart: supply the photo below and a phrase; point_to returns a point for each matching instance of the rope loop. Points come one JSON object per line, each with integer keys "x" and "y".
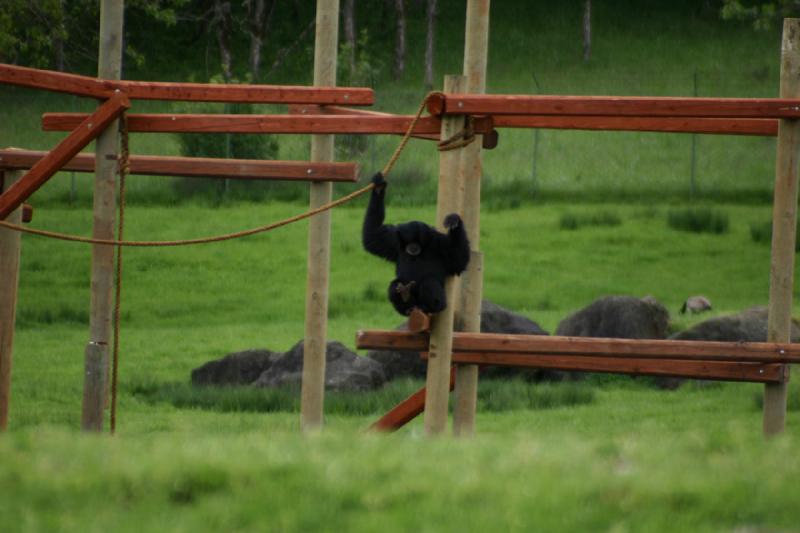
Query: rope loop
{"x": 461, "y": 138}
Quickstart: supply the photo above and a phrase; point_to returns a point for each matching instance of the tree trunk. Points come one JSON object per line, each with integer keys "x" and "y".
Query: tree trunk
{"x": 587, "y": 30}
{"x": 59, "y": 38}
{"x": 350, "y": 34}
{"x": 259, "y": 19}
{"x": 430, "y": 17}
{"x": 222, "y": 19}
{"x": 400, "y": 39}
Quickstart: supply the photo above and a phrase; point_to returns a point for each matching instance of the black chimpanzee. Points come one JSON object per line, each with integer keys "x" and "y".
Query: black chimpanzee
{"x": 424, "y": 256}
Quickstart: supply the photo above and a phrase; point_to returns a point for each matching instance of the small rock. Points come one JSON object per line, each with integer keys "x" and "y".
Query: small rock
{"x": 696, "y": 304}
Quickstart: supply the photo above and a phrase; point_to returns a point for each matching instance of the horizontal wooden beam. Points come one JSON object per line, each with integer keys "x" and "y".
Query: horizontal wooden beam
{"x": 719, "y": 126}
{"x": 296, "y": 124}
{"x": 765, "y": 352}
{"x": 247, "y": 169}
{"x": 408, "y": 409}
{"x": 44, "y": 169}
{"x": 716, "y": 370}
{"x": 200, "y": 92}
{"x": 311, "y": 109}
{"x": 613, "y": 106}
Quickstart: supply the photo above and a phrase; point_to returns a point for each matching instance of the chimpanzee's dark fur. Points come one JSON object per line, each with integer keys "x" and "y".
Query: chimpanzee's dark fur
{"x": 424, "y": 256}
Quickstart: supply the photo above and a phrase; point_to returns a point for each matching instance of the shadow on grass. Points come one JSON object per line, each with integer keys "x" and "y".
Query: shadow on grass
{"x": 493, "y": 396}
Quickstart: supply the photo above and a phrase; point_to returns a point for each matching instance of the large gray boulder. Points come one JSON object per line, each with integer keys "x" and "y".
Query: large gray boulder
{"x": 240, "y": 368}
{"x": 748, "y": 326}
{"x": 344, "y": 370}
{"x": 494, "y": 319}
{"x": 622, "y": 317}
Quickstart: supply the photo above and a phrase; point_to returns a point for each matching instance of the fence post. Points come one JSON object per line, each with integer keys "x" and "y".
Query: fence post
{"x": 319, "y": 232}
{"x": 105, "y": 214}
{"x": 784, "y": 224}
{"x": 449, "y": 199}
{"x": 475, "y": 53}
{"x": 9, "y": 280}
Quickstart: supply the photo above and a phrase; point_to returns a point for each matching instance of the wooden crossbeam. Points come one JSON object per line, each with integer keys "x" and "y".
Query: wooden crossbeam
{"x": 483, "y": 124}
{"x": 300, "y": 124}
{"x": 716, "y": 370}
{"x": 632, "y": 106}
{"x": 252, "y": 169}
{"x": 44, "y": 169}
{"x": 200, "y": 92}
{"x": 720, "y": 126}
{"x": 311, "y": 109}
{"x": 408, "y": 409}
{"x": 764, "y": 352}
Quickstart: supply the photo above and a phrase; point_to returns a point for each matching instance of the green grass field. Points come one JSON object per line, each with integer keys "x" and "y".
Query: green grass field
{"x": 567, "y": 217}
{"x": 605, "y": 455}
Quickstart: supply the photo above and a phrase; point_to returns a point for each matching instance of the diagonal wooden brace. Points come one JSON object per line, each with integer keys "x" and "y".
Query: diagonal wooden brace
{"x": 407, "y": 410}
{"x": 73, "y": 143}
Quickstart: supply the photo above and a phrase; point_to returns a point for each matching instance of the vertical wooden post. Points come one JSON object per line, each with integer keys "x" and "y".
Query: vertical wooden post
{"x": 319, "y": 232}
{"x": 105, "y": 212}
{"x": 476, "y": 45}
{"x": 784, "y": 224}
{"x": 9, "y": 278}
{"x": 441, "y": 339}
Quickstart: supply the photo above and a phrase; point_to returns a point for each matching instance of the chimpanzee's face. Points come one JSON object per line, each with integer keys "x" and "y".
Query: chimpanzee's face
{"x": 413, "y": 236}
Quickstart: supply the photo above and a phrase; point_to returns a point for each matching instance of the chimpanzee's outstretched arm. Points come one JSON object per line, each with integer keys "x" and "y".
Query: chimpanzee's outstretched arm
{"x": 456, "y": 253}
{"x": 378, "y": 238}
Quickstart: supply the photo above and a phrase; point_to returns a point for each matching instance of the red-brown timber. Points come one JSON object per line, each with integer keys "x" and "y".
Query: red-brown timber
{"x": 408, "y": 409}
{"x": 253, "y": 169}
{"x": 716, "y": 370}
{"x": 764, "y": 352}
{"x": 86, "y": 131}
{"x": 197, "y": 92}
{"x": 612, "y": 106}
{"x": 294, "y": 124}
{"x": 720, "y": 126}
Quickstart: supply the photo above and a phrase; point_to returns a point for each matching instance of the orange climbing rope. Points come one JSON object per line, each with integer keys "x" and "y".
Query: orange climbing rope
{"x": 124, "y": 169}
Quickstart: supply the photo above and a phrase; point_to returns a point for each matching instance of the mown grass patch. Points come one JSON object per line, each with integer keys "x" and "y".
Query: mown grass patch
{"x": 792, "y": 399}
{"x": 573, "y": 221}
{"x": 493, "y": 396}
{"x": 506, "y": 395}
{"x": 699, "y": 220}
{"x": 761, "y": 232}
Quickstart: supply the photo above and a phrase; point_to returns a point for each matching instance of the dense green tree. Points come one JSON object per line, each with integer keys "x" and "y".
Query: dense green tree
{"x": 762, "y": 14}
{"x": 62, "y": 34}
